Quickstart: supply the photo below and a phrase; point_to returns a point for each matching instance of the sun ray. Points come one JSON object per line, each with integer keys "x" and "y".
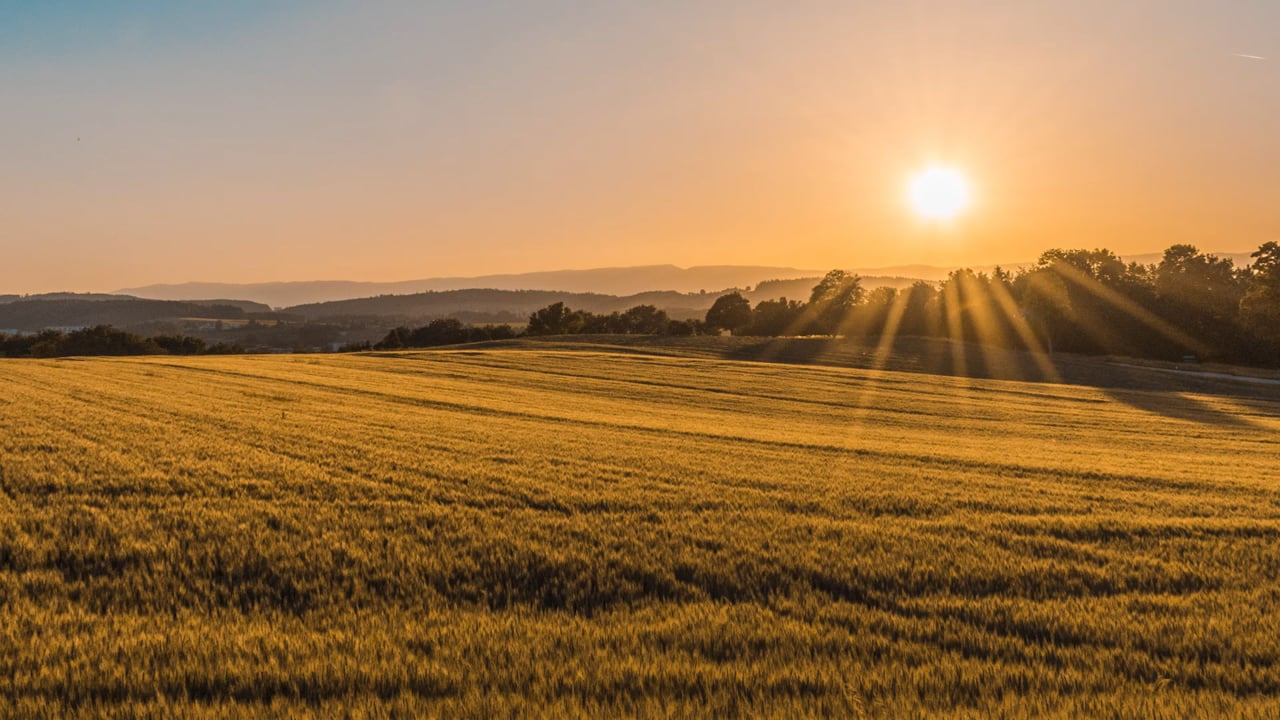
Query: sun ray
{"x": 1007, "y": 305}
{"x": 955, "y": 329}
{"x": 884, "y": 347}
{"x": 992, "y": 342}
{"x": 1127, "y": 306}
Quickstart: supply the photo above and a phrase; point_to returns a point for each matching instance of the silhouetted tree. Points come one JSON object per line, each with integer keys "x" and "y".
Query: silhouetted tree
{"x": 442, "y": 331}
{"x": 872, "y": 315}
{"x": 106, "y": 340}
{"x": 180, "y": 344}
{"x": 1201, "y": 294}
{"x": 1046, "y": 306}
{"x": 919, "y": 312}
{"x": 730, "y": 312}
{"x": 832, "y": 301}
{"x": 1260, "y": 307}
{"x": 1090, "y": 301}
{"x": 1102, "y": 265}
{"x": 395, "y": 339}
{"x": 683, "y": 328}
{"x": 776, "y": 317}
{"x": 224, "y": 349}
{"x": 555, "y": 319}
{"x": 647, "y": 320}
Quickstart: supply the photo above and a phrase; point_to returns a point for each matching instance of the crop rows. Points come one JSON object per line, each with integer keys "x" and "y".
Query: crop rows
{"x": 589, "y": 533}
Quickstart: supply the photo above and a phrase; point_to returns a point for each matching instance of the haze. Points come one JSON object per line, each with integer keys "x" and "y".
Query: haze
{"x": 247, "y": 142}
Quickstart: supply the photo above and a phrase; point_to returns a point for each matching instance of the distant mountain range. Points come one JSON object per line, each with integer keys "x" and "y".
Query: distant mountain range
{"x": 611, "y": 281}
{"x": 245, "y": 305}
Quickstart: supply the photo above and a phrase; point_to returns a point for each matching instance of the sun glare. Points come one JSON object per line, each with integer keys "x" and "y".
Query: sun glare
{"x": 939, "y": 193}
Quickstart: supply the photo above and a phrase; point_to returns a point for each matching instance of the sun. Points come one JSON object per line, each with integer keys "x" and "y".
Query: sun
{"x": 939, "y": 193}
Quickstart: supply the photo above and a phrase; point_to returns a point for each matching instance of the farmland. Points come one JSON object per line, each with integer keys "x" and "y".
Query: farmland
{"x": 594, "y": 530}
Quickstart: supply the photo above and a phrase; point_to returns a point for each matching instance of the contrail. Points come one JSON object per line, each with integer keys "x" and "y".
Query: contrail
{"x": 1249, "y": 57}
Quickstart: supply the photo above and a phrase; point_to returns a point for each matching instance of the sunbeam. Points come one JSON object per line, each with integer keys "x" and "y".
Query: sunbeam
{"x": 955, "y": 329}
{"x": 1127, "y": 306}
{"x": 1007, "y": 305}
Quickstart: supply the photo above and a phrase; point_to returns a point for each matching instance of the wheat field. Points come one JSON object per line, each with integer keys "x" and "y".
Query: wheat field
{"x": 586, "y": 532}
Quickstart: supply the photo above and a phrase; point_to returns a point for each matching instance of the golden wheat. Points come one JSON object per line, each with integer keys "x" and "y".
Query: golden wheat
{"x": 583, "y": 532}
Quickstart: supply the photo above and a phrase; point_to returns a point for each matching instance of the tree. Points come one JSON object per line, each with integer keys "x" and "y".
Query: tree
{"x": 106, "y": 340}
{"x": 555, "y": 319}
{"x": 442, "y": 331}
{"x": 180, "y": 344}
{"x": 1101, "y": 264}
{"x": 647, "y": 320}
{"x": 918, "y": 313}
{"x": 613, "y": 323}
{"x": 832, "y": 301}
{"x": 1200, "y": 293}
{"x": 876, "y": 310}
{"x": 1260, "y": 308}
{"x": 730, "y": 312}
{"x": 776, "y": 317}
{"x": 683, "y": 328}
{"x": 1046, "y": 305}
{"x": 1100, "y": 305}
{"x": 1195, "y": 281}
{"x": 396, "y": 339}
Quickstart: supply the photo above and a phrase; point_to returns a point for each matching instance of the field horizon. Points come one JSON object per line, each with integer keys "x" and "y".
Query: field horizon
{"x": 672, "y": 530}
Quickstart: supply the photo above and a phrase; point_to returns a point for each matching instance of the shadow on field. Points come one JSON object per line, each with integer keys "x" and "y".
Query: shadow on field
{"x": 1162, "y": 391}
{"x": 799, "y": 351}
{"x": 942, "y": 357}
{"x": 1178, "y": 406}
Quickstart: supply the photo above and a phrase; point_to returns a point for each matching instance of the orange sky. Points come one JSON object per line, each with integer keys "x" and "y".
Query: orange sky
{"x": 148, "y": 144}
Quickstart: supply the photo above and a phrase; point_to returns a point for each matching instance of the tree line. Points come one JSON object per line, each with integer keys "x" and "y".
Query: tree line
{"x": 106, "y": 340}
{"x": 1085, "y": 301}
{"x": 444, "y": 331}
{"x": 558, "y": 319}
{"x": 555, "y": 319}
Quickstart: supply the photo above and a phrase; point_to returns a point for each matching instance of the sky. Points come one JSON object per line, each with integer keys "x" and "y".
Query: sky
{"x": 244, "y": 141}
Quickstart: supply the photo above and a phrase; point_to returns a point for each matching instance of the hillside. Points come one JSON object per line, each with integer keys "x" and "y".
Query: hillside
{"x": 37, "y": 312}
{"x": 490, "y": 305}
{"x": 612, "y": 532}
{"x": 62, "y": 296}
{"x": 495, "y": 305}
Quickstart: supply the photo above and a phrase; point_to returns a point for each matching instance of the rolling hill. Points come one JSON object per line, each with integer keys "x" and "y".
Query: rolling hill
{"x": 36, "y": 312}
{"x": 516, "y": 305}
